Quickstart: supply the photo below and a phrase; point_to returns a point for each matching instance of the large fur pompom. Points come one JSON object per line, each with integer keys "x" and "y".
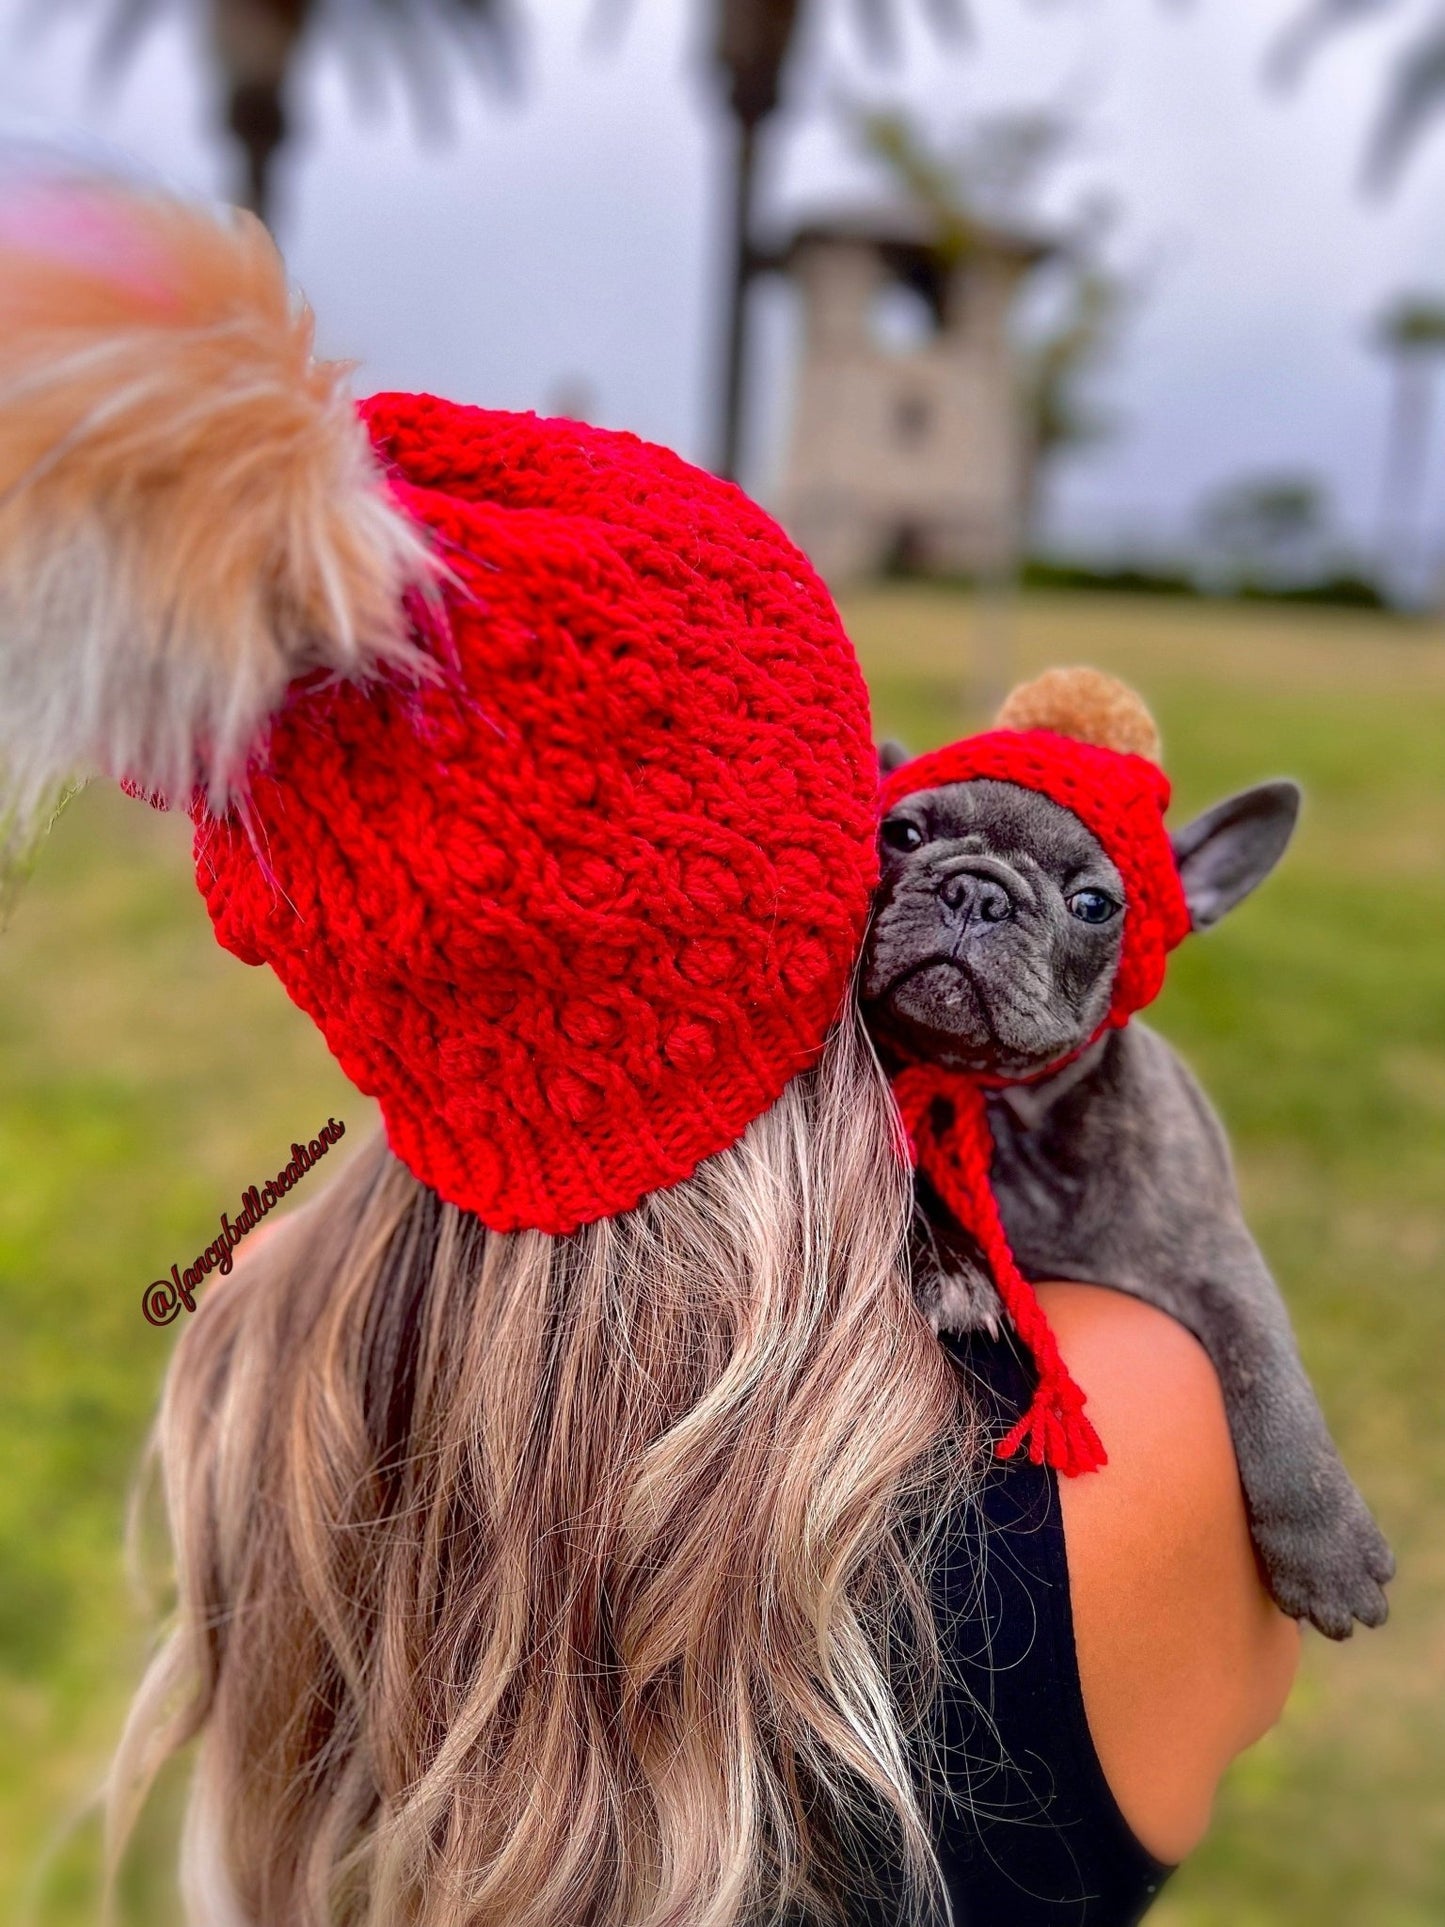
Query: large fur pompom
{"x": 1087, "y": 705}
{"x": 191, "y": 513}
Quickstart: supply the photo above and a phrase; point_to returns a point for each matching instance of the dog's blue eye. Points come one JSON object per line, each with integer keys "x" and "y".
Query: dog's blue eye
{"x": 1092, "y": 906}
{"x": 900, "y": 834}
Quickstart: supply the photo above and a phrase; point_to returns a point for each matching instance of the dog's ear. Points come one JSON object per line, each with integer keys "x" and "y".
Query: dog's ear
{"x": 1223, "y": 854}
{"x": 892, "y": 756}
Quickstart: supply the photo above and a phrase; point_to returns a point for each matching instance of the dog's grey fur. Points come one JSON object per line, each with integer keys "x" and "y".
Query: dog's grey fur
{"x": 1113, "y": 1170}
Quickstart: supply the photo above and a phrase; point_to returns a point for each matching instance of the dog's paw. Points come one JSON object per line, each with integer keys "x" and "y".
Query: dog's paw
{"x": 962, "y": 1299}
{"x": 1332, "y": 1567}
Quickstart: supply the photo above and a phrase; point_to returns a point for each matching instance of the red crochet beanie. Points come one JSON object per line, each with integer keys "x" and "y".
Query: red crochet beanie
{"x": 1076, "y": 737}
{"x": 577, "y": 914}
{"x": 534, "y": 761}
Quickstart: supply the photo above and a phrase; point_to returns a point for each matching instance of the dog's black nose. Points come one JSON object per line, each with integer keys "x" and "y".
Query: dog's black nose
{"x": 976, "y": 898}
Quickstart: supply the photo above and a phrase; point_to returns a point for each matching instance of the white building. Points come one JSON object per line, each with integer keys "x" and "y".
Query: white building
{"x": 907, "y": 443}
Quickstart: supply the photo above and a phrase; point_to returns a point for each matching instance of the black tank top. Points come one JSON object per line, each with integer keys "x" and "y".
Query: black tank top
{"x": 1027, "y": 1830}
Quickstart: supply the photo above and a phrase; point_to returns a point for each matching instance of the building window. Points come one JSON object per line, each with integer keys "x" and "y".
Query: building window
{"x": 912, "y": 419}
{"x": 901, "y": 319}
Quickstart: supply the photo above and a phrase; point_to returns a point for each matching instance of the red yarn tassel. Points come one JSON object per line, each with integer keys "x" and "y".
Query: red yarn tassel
{"x": 955, "y": 1154}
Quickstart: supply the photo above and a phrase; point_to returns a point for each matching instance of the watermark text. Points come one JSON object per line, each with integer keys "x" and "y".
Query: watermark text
{"x": 165, "y": 1298}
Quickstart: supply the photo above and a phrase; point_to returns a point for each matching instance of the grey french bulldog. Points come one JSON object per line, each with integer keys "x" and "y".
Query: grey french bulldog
{"x": 993, "y": 946}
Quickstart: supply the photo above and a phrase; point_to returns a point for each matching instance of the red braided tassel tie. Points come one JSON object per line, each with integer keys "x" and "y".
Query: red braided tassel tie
{"x": 955, "y": 1153}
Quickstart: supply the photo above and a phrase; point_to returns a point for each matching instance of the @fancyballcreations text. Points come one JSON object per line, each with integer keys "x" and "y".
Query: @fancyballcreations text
{"x": 163, "y": 1299}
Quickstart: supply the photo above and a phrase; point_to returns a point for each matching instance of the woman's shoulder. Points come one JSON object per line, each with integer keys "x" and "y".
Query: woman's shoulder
{"x": 1183, "y": 1657}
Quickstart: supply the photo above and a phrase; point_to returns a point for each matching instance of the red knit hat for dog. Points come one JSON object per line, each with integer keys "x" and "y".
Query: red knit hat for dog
{"x": 1119, "y": 796}
{"x": 536, "y": 762}
{"x": 1073, "y": 736}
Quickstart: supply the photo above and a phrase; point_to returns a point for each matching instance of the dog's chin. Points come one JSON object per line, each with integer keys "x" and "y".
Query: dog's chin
{"x": 936, "y": 1014}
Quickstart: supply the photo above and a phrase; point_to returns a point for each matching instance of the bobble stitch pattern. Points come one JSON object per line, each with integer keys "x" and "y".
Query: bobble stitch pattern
{"x": 577, "y": 912}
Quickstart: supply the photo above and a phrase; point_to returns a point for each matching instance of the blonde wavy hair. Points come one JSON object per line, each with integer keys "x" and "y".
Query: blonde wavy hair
{"x": 560, "y": 1582}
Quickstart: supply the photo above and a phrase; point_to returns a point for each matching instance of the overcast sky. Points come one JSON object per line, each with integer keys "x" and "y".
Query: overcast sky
{"x": 566, "y": 235}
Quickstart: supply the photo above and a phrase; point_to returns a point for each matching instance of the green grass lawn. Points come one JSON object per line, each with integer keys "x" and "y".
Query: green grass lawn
{"x": 146, "y": 1078}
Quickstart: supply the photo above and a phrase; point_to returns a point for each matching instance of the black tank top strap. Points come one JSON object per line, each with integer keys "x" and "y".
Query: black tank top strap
{"x": 1029, "y": 1833}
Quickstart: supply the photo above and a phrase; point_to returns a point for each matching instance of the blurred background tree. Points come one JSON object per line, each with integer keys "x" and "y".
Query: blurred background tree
{"x": 753, "y": 42}
{"x": 254, "y": 49}
{"x": 1411, "y": 332}
{"x": 1267, "y": 531}
{"x": 1415, "y": 88}
{"x": 1092, "y": 305}
{"x": 993, "y": 178}
{"x": 995, "y": 175}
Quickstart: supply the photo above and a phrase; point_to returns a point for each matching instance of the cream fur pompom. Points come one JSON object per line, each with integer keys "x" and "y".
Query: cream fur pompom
{"x": 191, "y": 513}
{"x": 1085, "y": 704}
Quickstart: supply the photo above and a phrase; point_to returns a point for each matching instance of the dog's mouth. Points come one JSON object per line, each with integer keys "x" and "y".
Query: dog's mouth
{"x": 938, "y": 1010}
{"x": 955, "y": 980}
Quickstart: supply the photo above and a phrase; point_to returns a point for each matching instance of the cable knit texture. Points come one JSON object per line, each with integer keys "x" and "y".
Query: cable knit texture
{"x": 577, "y": 913}
{"x": 1121, "y": 798}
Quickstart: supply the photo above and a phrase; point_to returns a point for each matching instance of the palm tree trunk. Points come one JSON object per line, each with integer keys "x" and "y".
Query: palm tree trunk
{"x": 256, "y": 117}
{"x": 1407, "y": 448}
{"x": 253, "y": 46}
{"x": 742, "y": 263}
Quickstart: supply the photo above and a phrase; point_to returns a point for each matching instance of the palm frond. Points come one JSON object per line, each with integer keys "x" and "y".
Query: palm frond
{"x": 1413, "y": 324}
{"x": 878, "y": 26}
{"x": 1007, "y": 155}
{"x": 926, "y": 180}
{"x": 1306, "y": 33}
{"x": 1062, "y": 362}
{"x": 129, "y": 23}
{"x": 368, "y": 34}
{"x": 416, "y": 41}
{"x": 949, "y": 17}
{"x": 1415, "y": 91}
{"x": 880, "y": 22}
{"x": 1416, "y": 95}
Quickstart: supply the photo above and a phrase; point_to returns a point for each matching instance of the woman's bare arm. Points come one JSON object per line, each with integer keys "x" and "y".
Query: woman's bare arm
{"x": 1184, "y": 1658}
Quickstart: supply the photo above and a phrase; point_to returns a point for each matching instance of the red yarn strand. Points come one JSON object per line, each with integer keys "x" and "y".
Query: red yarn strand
{"x": 956, "y": 1157}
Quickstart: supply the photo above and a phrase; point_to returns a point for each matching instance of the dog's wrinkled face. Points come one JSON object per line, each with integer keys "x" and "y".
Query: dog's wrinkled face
{"x": 997, "y": 930}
